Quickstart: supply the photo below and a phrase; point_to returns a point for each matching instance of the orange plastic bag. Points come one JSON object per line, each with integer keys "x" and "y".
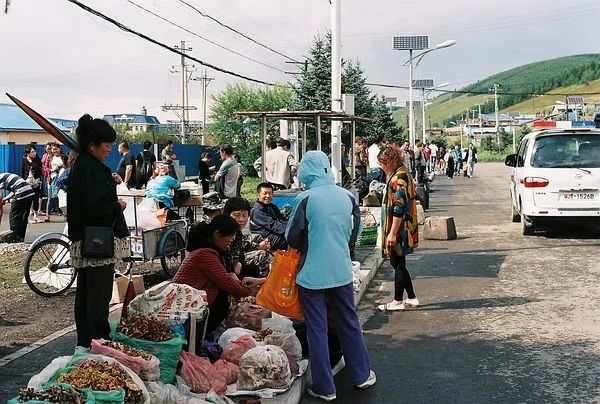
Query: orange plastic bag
{"x": 280, "y": 293}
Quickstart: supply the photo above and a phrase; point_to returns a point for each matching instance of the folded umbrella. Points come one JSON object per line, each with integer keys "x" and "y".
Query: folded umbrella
{"x": 47, "y": 125}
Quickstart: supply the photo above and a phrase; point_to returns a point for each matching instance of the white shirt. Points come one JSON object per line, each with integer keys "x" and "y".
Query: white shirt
{"x": 373, "y": 152}
{"x": 434, "y": 150}
{"x": 278, "y": 166}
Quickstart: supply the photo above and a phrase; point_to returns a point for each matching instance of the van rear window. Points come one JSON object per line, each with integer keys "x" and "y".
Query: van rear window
{"x": 566, "y": 151}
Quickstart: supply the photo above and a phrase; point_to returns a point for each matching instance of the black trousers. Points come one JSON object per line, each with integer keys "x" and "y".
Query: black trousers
{"x": 205, "y": 186}
{"x": 94, "y": 291}
{"x": 277, "y": 242}
{"x": 402, "y": 279}
{"x": 19, "y": 214}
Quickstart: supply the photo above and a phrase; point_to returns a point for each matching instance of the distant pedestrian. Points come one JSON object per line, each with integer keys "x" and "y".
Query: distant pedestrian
{"x": 449, "y": 160}
{"x": 433, "y": 158}
{"x": 126, "y": 167}
{"x": 21, "y": 196}
{"x": 376, "y": 173}
{"x": 145, "y": 163}
{"x": 360, "y": 157}
{"x": 58, "y": 163}
{"x": 280, "y": 165}
{"x": 457, "y": 160}
{"x": 31, "y": 171}
{"x": 399, "y": 227}
{"x": 46, "y": 168}
{"x": 204, "y": 169}
{"x": 229, "y": 173}
{"x": 471, "y": 160}
{"x": 169, "y": 157}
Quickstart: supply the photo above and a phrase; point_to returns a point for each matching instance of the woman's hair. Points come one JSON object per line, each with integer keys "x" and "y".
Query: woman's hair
{"x": 147, "y": 145}
{"x": 93, "y": 131}
{"x": 235, "y": 204}
{"x": 391, "y": 154}
{"x": 200, "y": 234}
{"x": 28, "y": 150}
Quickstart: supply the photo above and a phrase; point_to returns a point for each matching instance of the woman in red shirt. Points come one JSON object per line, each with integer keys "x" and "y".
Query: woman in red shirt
{"x": 204, "y": 267}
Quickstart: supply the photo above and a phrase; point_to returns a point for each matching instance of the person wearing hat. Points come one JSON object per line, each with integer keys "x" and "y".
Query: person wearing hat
{"x": 212, "y": 205}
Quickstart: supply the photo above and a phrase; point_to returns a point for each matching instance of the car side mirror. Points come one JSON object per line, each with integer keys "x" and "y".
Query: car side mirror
{"x": 511, "y": 160}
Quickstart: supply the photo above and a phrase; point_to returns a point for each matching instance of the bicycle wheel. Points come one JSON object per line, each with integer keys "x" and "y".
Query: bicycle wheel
{"x": 47, "y": 270}
{"x": 171, "y": 250}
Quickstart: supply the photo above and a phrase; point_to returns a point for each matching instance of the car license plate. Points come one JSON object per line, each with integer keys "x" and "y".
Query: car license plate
{"x": 578, "y": 196}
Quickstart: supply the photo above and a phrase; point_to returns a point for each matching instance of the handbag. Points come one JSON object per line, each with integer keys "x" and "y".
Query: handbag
{"x": 368, "y": 235}
{"x": 280, "y": 292}
{"x": 98, "y": 242}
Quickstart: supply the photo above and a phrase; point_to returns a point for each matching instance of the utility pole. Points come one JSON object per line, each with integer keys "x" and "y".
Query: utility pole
{"x": 205, "y": 82}
{"x": 496, "y": 86}
{"x": 480, "y": 122}
{"x": 336, "y": 90}
{"x": 184, "y": 90}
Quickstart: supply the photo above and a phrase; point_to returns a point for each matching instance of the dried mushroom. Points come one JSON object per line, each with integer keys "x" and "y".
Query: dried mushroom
{"x": 146, "y": 328}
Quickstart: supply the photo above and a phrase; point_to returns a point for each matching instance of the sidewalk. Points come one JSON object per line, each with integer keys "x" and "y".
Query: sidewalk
{"x": 16, "y": 373}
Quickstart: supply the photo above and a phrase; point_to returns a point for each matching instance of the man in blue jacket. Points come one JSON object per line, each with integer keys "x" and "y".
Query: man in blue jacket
{"x": 266, "y": 219}
{"x": 323, "y": 225}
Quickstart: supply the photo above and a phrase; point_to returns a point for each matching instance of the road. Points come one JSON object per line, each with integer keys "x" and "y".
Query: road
{"x": 504, "y": 319}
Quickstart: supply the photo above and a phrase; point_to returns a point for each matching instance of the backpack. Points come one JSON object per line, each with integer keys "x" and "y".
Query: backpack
{"x": 144, "y": 171}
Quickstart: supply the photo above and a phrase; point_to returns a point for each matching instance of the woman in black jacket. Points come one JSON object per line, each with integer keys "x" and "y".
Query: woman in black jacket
{"x": 92, "y": 201}
{"x": 31, "y": 171}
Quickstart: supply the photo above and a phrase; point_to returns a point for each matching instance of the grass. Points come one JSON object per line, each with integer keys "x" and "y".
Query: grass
{"x": 249, "y": 188}
{"x": 489, "y": 156}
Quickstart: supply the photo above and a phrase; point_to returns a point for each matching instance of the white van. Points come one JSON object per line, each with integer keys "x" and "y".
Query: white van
{"x": 556, "y": 175}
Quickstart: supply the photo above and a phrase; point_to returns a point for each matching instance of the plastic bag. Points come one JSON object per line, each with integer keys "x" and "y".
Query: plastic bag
{"x": 288, "y": 342}
{"x": 146, "y": 368}
{"x": 279, "y": 323}
{"x": 264, "y": 367}
{"x": 209, "y": 398}
{"x": 211, "y": 350}
{"x": 161, "y": 393}
{"x": 294, "y": 367}
{"x": 200, "y": 376}
{"x": 167, "y": 352}
{"x": 238, "y": 348}
{"x": 227, "y": 369}
{"x": 174, "y": 303}
{"x": 146, "y": 214}
{"x": 245, "y": 314}
{"x": 231, "y": 334}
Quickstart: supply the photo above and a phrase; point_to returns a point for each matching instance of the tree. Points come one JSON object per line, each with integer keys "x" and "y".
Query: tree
{"x": 245, "y": 135}
{"x": 384, "y": 123}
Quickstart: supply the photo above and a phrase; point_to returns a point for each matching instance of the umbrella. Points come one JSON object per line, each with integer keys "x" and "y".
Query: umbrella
{"x": 129, "y": 296}
{"x": 47, "y": 125}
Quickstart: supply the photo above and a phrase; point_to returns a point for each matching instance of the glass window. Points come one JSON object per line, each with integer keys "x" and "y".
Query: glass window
{"x": 521, "y": 153}
{"x": 566, "y": 151}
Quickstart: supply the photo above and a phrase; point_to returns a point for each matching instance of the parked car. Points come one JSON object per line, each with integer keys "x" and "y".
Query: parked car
{"x": 555, "y": 176}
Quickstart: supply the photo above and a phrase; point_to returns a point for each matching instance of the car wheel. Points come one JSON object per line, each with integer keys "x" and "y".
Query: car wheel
{"x": 515, "y": 216}
{"x": 526, "y": 229}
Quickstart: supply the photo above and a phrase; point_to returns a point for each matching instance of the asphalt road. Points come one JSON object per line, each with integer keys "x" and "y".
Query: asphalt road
{"x": 504, "y": 318}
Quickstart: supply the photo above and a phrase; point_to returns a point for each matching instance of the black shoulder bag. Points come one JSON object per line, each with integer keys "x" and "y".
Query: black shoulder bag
{"x": 98, "y": 242}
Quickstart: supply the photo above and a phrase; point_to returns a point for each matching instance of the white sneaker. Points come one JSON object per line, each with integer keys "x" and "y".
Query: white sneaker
{"x": 325, "y": 397}
{"x": 394, "y": 305}
{"x": 370, "y": 381}
{"x": 412, "y": 302}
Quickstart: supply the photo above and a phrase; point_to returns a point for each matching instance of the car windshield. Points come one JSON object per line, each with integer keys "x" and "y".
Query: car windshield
{"x": 566, "y": 151}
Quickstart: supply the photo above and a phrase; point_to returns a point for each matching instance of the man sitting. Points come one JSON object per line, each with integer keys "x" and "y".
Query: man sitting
{"x": 162, "y": 187}
{"x": 266, "y": 219}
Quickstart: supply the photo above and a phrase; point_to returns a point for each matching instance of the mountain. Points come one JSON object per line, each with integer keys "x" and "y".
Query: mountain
{"x": 575, "y": 75}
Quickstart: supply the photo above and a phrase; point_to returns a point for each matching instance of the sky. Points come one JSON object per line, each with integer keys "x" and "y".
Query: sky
{"x": 66, "y": 62}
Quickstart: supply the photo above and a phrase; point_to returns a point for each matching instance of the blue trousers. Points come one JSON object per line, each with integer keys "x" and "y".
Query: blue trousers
{"x": 341, "y": 301}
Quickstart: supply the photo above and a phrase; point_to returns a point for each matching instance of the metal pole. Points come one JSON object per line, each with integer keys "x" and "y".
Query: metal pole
{"x": 304, "y": 138}
{"x": 411, "y": 120}
{"x": 263, "y": 174}
{"x": 336, "y": 90}
{"x": 514, "y": 139}
{"x": 204, "y": 85}
{"x": 497, "y": 119}
{"x": 480, "y": 123}
{"x": 423, "y": 106}
{"x": 353, "y": 156}
{"x": 318, "y": 132}
{"x": 183, "y": 80}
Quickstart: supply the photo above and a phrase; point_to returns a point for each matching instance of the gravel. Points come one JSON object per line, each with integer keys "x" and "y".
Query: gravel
{"x": 9, "y": 248}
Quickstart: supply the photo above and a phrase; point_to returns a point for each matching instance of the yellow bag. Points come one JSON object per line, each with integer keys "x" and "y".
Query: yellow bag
{"x": 280, "y": 293}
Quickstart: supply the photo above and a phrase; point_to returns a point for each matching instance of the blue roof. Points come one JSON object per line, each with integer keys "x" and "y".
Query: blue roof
{"x": 12, "y": 118}
{"x": 131, "y": 118}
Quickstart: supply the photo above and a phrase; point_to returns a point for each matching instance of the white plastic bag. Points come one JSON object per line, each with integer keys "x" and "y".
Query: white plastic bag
{"x": 174, "y": 303}
{"x": 264, "y": 367}
{"x": 232, "y": 334}
{"x": 161, "y": 393}
{"x": 146, "y": 213}
{"x": 279, "y": 323}
{"x": 289, "y": 342}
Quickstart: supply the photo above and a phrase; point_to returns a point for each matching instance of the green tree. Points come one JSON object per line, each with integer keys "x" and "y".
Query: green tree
{"x": 384, "y": 122}
{"x": 245, "y": 135}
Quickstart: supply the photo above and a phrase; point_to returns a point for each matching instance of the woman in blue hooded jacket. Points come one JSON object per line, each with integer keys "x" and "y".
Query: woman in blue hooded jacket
{"x": 323, "y": 225}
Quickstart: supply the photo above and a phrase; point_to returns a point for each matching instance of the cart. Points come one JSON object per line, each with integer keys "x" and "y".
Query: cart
{"x": 48, "y": 273}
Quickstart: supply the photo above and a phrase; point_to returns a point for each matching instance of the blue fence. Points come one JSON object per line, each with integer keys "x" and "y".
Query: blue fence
{"x": 11, "y": 156}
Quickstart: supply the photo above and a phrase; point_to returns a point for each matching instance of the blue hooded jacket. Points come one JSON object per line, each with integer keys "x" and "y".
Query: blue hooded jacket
{"x": 323, "y": 225}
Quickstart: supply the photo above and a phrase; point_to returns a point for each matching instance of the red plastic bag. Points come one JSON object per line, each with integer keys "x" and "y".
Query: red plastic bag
{"x": 227, "y": 369}
{"x": 146, "y": 366}
{"x": 238, "y": 348}
{"x": 200, "y": 376}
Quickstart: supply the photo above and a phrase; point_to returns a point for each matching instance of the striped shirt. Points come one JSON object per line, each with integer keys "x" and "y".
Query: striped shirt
{"x": 16, "y": 184}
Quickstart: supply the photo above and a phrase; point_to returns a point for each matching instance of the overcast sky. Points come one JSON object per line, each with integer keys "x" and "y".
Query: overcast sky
{"x": 66, "y": 62}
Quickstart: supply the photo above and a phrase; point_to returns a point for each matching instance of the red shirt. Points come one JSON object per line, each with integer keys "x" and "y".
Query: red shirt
{"x": 203, "y": 269}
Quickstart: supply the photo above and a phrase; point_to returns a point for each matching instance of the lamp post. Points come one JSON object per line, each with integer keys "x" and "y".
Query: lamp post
{"x": 412, "y": 43}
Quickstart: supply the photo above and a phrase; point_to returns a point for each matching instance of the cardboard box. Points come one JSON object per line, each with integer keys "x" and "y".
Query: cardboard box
{"x": 120, "y": 287}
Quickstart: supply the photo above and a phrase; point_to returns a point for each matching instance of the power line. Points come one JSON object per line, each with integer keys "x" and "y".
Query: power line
{"x": 203, "y": 38}
{"x": 479, "y": 92}
{"x": 203, "y": 14}
{"x": 154, "y": 41}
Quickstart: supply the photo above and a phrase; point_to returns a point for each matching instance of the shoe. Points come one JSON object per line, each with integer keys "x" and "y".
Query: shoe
{"x": 338, "y": 366}
{"x": 412, "y": 302}
{"x": 394, "y": 305}
{"x": 370, "y": 381}
{"x": 325, "y": 397}
{"x": 81, "y": 350}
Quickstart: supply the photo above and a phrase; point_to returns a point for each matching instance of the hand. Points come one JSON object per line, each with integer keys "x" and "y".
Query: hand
{"x": 391, "y": 240}
{"x": 250, "y": 282}
{"x": 264, "y": 245}
{"x": 237, "y": 268}
{"x": 117, "y": 178}
{"x": 122, "y": 203}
